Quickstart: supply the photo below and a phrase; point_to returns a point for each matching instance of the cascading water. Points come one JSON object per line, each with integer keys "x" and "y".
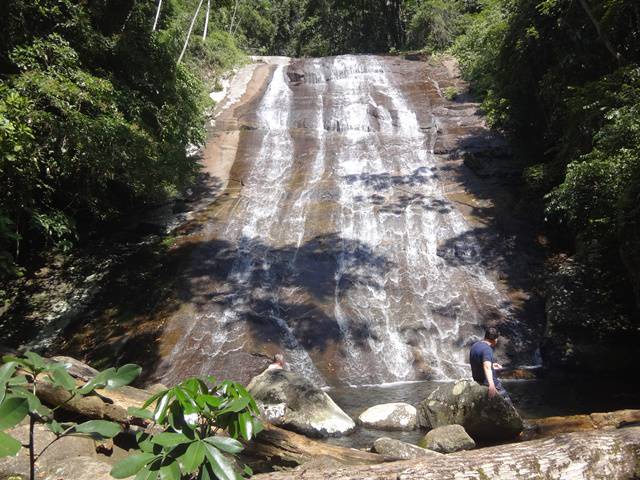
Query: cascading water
{"x": 335, "y": 249}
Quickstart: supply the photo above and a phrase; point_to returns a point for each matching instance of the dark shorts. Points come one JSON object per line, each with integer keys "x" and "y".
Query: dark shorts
{"x": 501, "y": 390}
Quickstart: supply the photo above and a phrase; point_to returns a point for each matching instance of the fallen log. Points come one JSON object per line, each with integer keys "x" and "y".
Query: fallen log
{"x": 549, "y": 426}
{"x": 276, "y": 447}
{"x": 608, "y": 454}
{"x": 102, "y": 405}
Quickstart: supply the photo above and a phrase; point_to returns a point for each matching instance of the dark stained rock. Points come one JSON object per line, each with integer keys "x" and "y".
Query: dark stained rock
{"x": 447, "y": 439}
{"x": 468, "y": 404}
{"x": 291, "y": 401}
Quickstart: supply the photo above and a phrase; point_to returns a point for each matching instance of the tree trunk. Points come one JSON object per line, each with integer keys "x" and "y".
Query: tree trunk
{"x": 206, "y": 21}
{"x": 278, "y": 447}
{"x": 550, "y": 426}
{"x": 186, "y": 42}
{"x": 104, "y": 405}
{"x": 155, "y": 22}
{"x": 610, "y": 455}
{"x": 601, "y": 35}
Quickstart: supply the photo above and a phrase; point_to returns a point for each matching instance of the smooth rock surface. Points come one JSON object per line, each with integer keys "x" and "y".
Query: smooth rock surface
{"x": 468, "y": 404}
{"x": 293, "y": 402}
{"x": 57, "y": 459}
{"x": 392, "y": 450}
{"x": 447, "y": 439}
{"x": 390, "y": 416}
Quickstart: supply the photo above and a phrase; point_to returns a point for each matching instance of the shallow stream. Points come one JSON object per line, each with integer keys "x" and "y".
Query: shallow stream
{"x": 532, "y": 398}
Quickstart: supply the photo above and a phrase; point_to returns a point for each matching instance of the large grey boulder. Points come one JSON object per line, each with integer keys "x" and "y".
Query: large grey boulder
{"x": 468, "y": 404}
{"x": 392, "y": 449}
{"x": 447, "y": 439}
{"x": 293, "y": 402}
{"x": 390, "y": 416}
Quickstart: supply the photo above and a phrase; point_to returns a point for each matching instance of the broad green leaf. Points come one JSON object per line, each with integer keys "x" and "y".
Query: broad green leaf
{"x": 235, "y": 406}
{"x": 160, "y": 412}
{"x": 131, "y": 465}
{"x": 193, "y": 457}
{"x": 99, "y": 381}
{"x": 61, "y": 377}
{"x": 18, "y": 380}
{"x": 7, "y": 370}
{"x": 3, "y": 391}
{"x": 170, "y": 470}
{"x": 226, "y": 444}
{"x": 12, "y": 411}
{"x": 103, "y": 428}
{"x": 222, "y": 467}
{"x": 246, "y": 426}
{"x": 140, "y": 413}
{"x": 247, "y": 470}
{"x": 170, "y": 439}
{"x": 147, "y": 474}
{"x": 123, "y": 376}
{"x": 55, "y": 427}
{"x": 257, "y": 426}
{"x": 154, "y": 397}
{"x": 206, "y": 473}
{"x": 36, "y": 360}
{"x": 9, "y": 446}
{"x": 212, "y": 401}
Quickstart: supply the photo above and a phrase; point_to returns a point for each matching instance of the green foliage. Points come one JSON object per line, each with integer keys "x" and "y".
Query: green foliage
{"x": 187, "y": 446}
{"x": 434, "y": 24}
{"x": 450, "y": 93}
{"x": 19, "y": 378}
{"x": 561, "y": 78}
{"x": 94, "y": 119}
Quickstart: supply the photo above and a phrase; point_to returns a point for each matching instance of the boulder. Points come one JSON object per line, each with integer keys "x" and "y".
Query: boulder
{"x": 468, "y": 404}
{"x": 392, "y": 450}
{"x": 80, "y": 468}
{"x": 447, "y": 439}
{"x": 55, "y": 462}
{"x": 390, "y": 416}
{"x": 293, "y": 402}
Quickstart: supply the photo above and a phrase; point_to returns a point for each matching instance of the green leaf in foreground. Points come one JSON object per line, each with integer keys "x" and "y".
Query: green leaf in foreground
{"x": 131, "y": 465}
{"x": 193, "y": 457}
{"x": 12, "y": 411}
{"x": 226, "y": 444}
{"x": 123, "y": 376}
{"x": 9, "y": 446}
{"x": 140, "y": 413}
{"x": 170, "y": 470}
{"x": 103, "y": 428}
{"x": 220, "y": 465}
{"x": 61, "y": 377}
{"x": 170, "y": 439}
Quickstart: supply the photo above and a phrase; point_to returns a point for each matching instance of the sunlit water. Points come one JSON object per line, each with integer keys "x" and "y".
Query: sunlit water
{"x": 532, "y": 398}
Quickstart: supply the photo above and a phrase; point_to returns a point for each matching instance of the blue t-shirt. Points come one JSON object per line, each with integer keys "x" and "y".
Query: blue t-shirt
{"x": 481, "y": 352}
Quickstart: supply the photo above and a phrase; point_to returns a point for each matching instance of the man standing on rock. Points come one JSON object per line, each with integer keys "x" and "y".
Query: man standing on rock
{"x": 483, "y": 368}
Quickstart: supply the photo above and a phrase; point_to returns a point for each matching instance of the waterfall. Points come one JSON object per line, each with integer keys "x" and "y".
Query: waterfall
{"x": 337, "y": 250}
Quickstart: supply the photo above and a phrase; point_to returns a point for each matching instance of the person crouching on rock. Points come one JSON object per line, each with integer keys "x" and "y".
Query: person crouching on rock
{"x": 278, "y": 363}
{"x": 483, "y": 368}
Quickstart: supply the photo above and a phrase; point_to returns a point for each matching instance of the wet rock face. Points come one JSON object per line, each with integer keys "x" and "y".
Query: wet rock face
{"x": 293, "y": 402}
{"x": 390, "y": 416}
{"x": 468, "y": 404}
{"x": 392, "y": 450}
{"x": 447, "y": 439}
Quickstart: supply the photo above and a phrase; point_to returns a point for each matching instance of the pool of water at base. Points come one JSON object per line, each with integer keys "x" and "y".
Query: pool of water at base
{"x": 533, "y": 399}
